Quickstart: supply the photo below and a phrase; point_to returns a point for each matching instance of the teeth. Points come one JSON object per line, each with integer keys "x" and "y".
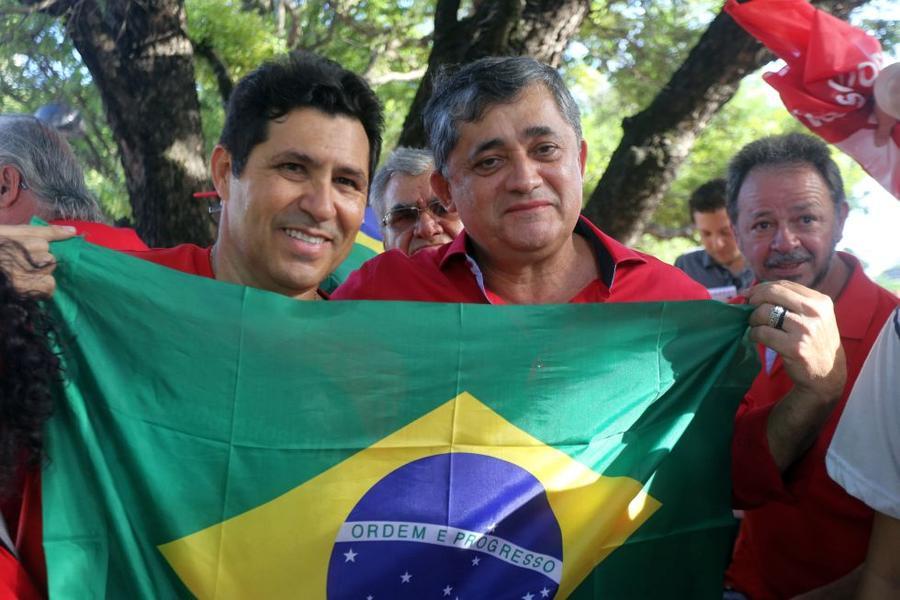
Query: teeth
{"x": 309, "y": 239}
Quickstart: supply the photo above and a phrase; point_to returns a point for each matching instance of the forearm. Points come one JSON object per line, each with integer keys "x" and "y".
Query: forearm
{"x": 794, "y": 424}
{"x": 881, "y": 572}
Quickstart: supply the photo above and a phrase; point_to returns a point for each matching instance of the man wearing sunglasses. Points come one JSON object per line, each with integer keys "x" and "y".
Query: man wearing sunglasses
{"x": 412, "y": 217}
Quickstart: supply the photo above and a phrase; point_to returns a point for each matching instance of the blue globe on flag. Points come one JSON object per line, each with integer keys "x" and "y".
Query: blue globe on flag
{"x": 459, "y": 525}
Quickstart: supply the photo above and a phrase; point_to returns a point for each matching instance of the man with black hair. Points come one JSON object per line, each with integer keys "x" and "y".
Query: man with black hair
{"x": 719, "y": 266}
{"x": 302, "y": 136}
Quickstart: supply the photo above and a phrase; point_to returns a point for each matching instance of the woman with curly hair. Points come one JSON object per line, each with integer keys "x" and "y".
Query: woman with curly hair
{"x": 28, "y": 371}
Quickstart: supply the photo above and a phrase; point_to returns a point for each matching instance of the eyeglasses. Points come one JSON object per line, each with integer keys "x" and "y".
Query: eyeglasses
{"x": 405, "y": 216}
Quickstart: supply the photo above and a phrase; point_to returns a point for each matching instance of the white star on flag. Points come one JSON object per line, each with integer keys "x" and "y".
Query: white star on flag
{"x": 447, "y": 590}
{"x": 405, "y": 577}
{"x": 350, "y": 556}
{"x": 475, "y": 561}
{"x": 545, "y": 593}
{"x": 528, "y": 596}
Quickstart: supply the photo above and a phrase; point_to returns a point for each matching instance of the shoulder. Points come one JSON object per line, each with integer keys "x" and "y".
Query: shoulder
{"x": 392, "y": 275}
{"x": 187, "y": 258}
{"x": 689, "y": 259}
{"x": 656, "y": 280}
{"x": 115, "y": 238}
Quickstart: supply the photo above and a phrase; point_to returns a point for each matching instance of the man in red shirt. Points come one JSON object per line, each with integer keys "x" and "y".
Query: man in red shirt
{"x": 292, "y": 168}
{"x": 801, "y": 531}
{"x": 507, "y": 145}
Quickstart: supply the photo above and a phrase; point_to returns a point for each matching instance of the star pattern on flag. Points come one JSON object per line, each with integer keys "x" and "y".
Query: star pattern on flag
{"x": 406, "y": 577}
{"x": 475, "y": 561}
{"x": 545, "y": 593}
{"x": 447, "y": 590}
{"x": 350, "y": 556}
{"x": 528, "y": 596}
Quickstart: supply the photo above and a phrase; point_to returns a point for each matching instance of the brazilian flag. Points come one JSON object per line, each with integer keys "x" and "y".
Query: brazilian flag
{"x": 219, "y": 441}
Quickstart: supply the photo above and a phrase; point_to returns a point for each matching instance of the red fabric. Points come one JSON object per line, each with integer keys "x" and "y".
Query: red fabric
{"x": 801, "y": 530}
{"x": 827, "y": 83}
{"x": 115, "y": 238}
{"x": 446, "y": 275}
{"x": 186, "y": 258}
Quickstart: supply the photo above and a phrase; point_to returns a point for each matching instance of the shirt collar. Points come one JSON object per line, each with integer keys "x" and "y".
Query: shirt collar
{"x": 609, "y": 252}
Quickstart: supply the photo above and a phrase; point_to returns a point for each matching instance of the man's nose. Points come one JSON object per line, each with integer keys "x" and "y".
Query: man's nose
{"x": 784, "y": 239}
{"x": 318, "y": 200}
{"x": 427, "y": 225}
{"x": 524, "y": 176}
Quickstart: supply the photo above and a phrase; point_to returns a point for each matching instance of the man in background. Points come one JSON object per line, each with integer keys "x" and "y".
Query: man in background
{"x": 411, "y": 216}
{"x": 801, "y": 531}
{"x": 719, "y": 266}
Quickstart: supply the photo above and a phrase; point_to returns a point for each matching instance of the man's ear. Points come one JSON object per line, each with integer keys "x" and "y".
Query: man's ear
{"x": 843, "y": 209}
{"x": 441, "y": 188}
{"x": 582, "y": 156}
{"x": 220, "y": 168}
{"x": 10, "y": 179}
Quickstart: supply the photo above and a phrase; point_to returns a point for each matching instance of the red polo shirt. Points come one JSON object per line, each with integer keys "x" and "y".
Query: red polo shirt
{"x": 801, "y": 530}
{"x": 186, "y": 258}
{"x": 115, "y": 238}
{"x": 450, "y": 274}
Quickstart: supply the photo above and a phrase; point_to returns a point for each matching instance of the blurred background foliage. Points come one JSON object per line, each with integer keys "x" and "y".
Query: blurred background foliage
{"x": 623, "y": 54}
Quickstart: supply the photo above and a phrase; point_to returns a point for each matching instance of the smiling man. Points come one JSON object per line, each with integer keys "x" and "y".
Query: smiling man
{"x": 509, "y": 155}
{"x": 292, "y": 168}
{"x": 412, "y": 218}
{"x": 801, "y": 531}
{"x": 301, "y": 137}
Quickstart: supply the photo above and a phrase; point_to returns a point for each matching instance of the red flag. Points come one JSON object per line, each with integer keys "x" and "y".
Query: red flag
{"x": 828, "y": 80}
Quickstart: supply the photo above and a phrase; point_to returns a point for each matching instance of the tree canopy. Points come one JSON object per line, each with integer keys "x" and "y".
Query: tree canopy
{"x": 150, "y": 78}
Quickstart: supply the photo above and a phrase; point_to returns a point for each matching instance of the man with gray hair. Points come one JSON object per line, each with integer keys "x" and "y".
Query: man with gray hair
{"x": 40, "y": 177}
{"x": 412, "y": 217}
{"x": 507, "y": 144}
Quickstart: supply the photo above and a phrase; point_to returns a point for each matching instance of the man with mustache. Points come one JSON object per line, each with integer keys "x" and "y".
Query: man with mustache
{"x": 801, "y": 531}
{"x": 412, "y": 218}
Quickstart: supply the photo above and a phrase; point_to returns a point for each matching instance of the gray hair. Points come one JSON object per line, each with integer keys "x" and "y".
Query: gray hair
{"x": 464, "y": 95}
{"x": 49, "y": 168}
{"x": 405, "y": 161}
{"x": 779, "y": 151}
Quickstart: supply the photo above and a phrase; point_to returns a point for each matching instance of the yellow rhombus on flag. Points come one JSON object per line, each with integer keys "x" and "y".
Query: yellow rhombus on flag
{"x": 282, "y": 548}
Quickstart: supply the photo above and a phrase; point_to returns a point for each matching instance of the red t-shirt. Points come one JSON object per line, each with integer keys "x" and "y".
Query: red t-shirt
{"x": 449, "y": 274}
{"x": 115, "y": 238}
{"x": 186, "y": 258}
{"x": 801, "y": 530}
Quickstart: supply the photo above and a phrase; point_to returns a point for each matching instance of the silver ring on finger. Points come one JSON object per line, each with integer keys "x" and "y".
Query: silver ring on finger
{"x": 776, "y": 317}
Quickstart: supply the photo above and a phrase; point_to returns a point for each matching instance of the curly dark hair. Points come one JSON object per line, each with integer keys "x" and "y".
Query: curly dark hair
{"x": 28, "y": 371}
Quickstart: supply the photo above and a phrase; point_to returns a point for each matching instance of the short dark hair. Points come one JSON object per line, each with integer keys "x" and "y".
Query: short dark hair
{"x": 297, "y": 80}
{"x": 708, "y": 198}
{"x": 462, "y": 94}
{"x": 783, "y": 150}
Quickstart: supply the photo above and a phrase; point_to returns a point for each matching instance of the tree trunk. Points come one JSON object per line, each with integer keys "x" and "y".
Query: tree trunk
{"x": 143, "y": 64}
{"x": 538, "y": 28}
{"x": 656, "y": 141}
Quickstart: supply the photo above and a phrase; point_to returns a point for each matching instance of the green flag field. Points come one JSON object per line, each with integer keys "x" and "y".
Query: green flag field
{"x": 217, "y": 441}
